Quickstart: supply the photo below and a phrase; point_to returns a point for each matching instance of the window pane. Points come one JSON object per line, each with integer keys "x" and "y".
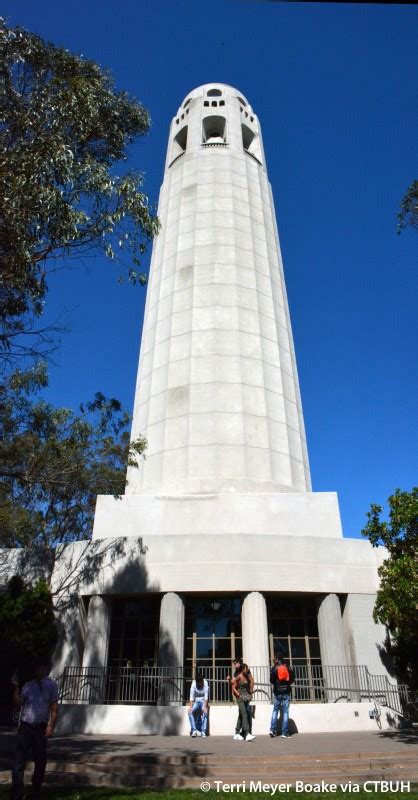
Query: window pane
{"x": 131, "y": 629}
{"x": 298, "y": 648}
{"x": 149, "y": 629}
{"x": 114, "y": 649}
{"x": 116, "y": 629}
{"x": 130, "y": 648}
{"x": 314, "y": 648}
{"x": 297, "y": 627}
{"x": 281, "y": 646}
{"x": 223, "y": 648}
{"x": 203, "y": 626}
{"x": 204, "y": 648}
{"x": 279, "y": 627}
{"x": 221, "y": 626}
{"x": 147, "y": 649}
{"x": 312, "y": 626}
{"x": 238, "y": 649}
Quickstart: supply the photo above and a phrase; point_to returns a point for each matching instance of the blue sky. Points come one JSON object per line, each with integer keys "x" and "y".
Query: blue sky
{"x": 334, "y": 86}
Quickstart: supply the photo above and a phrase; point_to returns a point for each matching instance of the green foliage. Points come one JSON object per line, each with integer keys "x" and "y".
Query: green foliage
{"x": 396, "y": 603}
{"x": 53, "y": 462}
{"x": 27, "y": 624}
{"x": 64, "y": 127}
{"x": 408, "y": 214}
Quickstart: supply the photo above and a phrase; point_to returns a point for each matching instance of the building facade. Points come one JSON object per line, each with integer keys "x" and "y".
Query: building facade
{"x": 219, "y": 547}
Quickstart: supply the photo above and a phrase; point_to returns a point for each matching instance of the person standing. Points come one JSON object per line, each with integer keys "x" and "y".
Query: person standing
{"x": 242, "y": 687}
{"x": 199, "y": 699}
{"x": 38, "y": 701}
{"x": 281, "y": 676}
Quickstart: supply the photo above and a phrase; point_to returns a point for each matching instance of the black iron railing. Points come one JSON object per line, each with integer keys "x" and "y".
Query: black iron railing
{"x": 118, "y": 684}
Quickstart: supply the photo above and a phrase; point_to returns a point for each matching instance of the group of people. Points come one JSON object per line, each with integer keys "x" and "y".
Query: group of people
{"x": 242, "y": 688}
{"x": 38, "y": 701}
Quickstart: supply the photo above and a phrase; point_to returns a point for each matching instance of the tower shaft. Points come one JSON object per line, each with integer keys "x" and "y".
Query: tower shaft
{"x": 217, "y": 395}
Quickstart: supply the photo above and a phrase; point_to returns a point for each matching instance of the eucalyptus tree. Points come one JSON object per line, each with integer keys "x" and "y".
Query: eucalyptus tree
{"x": 65, "y": 130}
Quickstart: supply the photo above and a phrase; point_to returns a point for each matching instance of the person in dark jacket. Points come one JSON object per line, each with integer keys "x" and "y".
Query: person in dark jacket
{"x": 281, "y": 676}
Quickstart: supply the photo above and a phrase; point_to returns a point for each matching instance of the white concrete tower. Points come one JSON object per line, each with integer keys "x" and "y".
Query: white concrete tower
{"x": 217, "y": 395}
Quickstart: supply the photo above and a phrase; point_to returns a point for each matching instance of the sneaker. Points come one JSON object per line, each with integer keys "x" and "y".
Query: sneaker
{"x": 238, "y": 737}
{"x": 194, "y": 733}
{"x": 284, "y": 735}
{"x": 198, "y": 733}
{"x": 272, "y": 734}
{"x": 203, "y": 735}
{"x": 249, "y": 737}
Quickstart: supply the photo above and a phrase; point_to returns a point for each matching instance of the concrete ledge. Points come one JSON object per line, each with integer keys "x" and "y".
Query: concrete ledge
{"x": 170, "y": 721}
{"x": 289, "y": 514}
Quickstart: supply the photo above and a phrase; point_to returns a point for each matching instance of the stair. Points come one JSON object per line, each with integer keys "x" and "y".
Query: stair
{"x": 188, "y": 771}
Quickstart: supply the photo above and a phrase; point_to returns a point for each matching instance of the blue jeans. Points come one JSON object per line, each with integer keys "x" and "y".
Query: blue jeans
{"x": 281, "y": 701}
{"x": 197, "y": 710}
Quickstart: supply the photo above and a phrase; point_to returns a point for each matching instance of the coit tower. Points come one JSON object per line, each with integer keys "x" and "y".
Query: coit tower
{"x": 219, "y": 546}
{"x": 217, "y": 395}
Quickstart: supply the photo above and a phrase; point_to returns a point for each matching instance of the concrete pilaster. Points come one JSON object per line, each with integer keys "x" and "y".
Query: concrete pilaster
{"x": 171, "y": 642}
{"x": 254, "y": 630}
{"x": 331, "y": 638}
{"x": 96, "y": 645}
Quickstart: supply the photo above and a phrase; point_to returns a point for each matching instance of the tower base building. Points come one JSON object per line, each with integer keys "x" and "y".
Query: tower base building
{"x": 219, "y": 548}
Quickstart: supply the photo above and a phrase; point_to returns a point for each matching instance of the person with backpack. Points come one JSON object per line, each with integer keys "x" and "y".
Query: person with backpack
{"x": 281, "y": 676}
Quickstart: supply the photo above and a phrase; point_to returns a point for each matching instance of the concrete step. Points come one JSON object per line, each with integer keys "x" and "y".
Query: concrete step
{"x": 194, "y": 782}
{"x": 145, "y": 770}
{"x": 240, "y": 758}
{"x": 212, "y": 770}
{"x": 74, "y": 779}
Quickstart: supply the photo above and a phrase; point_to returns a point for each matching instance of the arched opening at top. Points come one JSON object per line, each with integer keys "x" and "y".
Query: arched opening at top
{"x": 179, "y": 143}
{"x": 214, "y": 129}
{"x": 251, "y": 142}
{"x": 214, "y": 93}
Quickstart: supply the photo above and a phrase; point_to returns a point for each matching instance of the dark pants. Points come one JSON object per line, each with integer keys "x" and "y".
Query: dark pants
{"x": 31, "y": 743}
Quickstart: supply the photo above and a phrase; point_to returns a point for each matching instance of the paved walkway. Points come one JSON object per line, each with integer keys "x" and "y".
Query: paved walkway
{"x": 301, "y": 744}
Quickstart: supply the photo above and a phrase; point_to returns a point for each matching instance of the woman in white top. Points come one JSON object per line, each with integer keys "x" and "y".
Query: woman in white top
{"x": 199, "y": 697}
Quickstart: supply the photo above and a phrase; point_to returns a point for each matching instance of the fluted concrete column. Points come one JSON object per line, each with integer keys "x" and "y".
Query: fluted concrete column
{"x": 96, "y": 645}
{"x": 171, "y": 642}
{"x": 255, "y": 637}
{"x": 336, "y": 674}
{"x": 330, "y": 629}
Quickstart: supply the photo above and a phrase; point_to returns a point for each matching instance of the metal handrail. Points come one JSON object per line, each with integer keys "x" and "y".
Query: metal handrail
{"x": 131, "y": 684}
